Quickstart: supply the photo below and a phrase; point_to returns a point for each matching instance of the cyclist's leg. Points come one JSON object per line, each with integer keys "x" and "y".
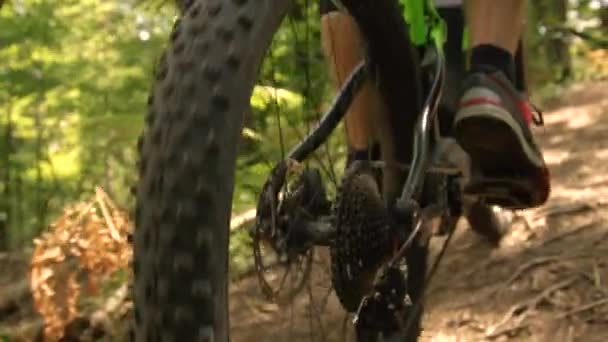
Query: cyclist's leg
{"x": 492, "y": 123}
{"x": 497, "y": 23}
{"x": 488, "y": 221}
{"x": 343, "y": 48}
{"x": 452, "y": 12}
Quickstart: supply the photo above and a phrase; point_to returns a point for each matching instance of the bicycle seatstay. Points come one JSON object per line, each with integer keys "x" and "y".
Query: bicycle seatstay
{"x": 332, "y": 117}
{"x": 424, "y": 132}
{"x": 426, "y": 29}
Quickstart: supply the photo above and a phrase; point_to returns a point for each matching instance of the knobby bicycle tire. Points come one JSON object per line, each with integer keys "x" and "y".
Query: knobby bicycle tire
{"x": 187, "y": 161}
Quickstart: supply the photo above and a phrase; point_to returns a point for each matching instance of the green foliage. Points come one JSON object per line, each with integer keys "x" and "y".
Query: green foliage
{"x": 292, "y": 91}
{"x": 74, "y": 81}
{"x": 75, "y": 75}
{"x": 560, "y": 35}
{"x": 73, "y": 87}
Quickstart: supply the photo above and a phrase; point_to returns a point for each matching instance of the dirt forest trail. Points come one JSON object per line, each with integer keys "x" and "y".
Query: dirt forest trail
{"x": 548, "y": 281}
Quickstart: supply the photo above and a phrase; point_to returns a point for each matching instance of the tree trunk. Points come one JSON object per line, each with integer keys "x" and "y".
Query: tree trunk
{"x": 561, "y": 44}
{"x": 6, "y": 179}
{"x": 604, "y": 17}
{"x": 549, "y": 46}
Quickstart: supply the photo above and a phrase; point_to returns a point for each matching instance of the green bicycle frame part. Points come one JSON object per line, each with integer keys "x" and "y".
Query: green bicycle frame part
{"x": 425, "y": 24}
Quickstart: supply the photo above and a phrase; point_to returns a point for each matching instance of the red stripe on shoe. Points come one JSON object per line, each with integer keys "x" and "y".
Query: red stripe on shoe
{"x": 523, "y": 105}
{"x": 479, "y": 100}
{"x": 526, "y": 110}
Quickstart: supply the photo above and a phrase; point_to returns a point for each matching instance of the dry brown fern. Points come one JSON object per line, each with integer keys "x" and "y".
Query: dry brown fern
{"x": 80, "y": 251}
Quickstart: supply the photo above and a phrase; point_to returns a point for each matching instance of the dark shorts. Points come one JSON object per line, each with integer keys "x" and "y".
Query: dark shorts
{"x": 326, "y": 6}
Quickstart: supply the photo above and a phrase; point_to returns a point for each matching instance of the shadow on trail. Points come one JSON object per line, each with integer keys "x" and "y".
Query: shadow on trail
{"x": 545, "y": 283}
{"x": 553, "y": 259}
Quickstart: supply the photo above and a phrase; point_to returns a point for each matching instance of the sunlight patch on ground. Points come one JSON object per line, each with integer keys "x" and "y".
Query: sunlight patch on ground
{"x": 583, "y": 193}
{"x": 553, "y": 157}
{"x": 440, "y": 337}
{"x": 580, "y": 120}
{"x": 602, "y": 154}
{"x": 557, "y": 139}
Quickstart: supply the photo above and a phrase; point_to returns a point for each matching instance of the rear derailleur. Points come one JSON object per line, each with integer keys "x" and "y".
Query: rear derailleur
{"x": 388, "y": 305}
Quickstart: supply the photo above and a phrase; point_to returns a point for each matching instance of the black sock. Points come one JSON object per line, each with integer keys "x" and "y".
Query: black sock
{"x": 359, "y": 154}
{"x": 487, "y": 57}
{"x": 354, "y": 154}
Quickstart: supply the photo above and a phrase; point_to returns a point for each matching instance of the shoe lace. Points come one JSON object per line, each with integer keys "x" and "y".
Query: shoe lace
{"x": 535, "y": 112}
{"x": 537, "y": 115}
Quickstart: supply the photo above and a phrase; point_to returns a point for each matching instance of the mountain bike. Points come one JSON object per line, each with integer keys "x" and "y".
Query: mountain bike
{"x": 378, "y": 225}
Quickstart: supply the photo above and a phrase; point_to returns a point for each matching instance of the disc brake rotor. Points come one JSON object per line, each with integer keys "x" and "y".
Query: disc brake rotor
{"x": 282, "y": 265}
{"x": 281, "y": 277}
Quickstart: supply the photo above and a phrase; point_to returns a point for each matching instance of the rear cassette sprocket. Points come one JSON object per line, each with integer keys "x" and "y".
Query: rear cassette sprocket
{"x": 363, "y": 240}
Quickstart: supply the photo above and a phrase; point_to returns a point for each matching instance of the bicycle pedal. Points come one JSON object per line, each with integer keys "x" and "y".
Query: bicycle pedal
{"x": 508, "y": 193}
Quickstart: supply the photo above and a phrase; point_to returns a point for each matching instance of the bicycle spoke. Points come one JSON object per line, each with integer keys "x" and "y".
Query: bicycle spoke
{"x": 285, "y": 275}
{"x": 315, "y": 314}
{"x": 290, "y": 104}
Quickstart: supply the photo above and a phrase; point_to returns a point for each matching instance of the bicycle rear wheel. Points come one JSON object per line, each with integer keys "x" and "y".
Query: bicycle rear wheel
{"x": 189, "y": 150}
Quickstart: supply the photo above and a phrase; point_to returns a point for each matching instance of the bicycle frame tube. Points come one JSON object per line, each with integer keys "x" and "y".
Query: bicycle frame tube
{"x": 332, "y": 118}
{"x": 423, "y": 132}
{"x": 426, "y": 29}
